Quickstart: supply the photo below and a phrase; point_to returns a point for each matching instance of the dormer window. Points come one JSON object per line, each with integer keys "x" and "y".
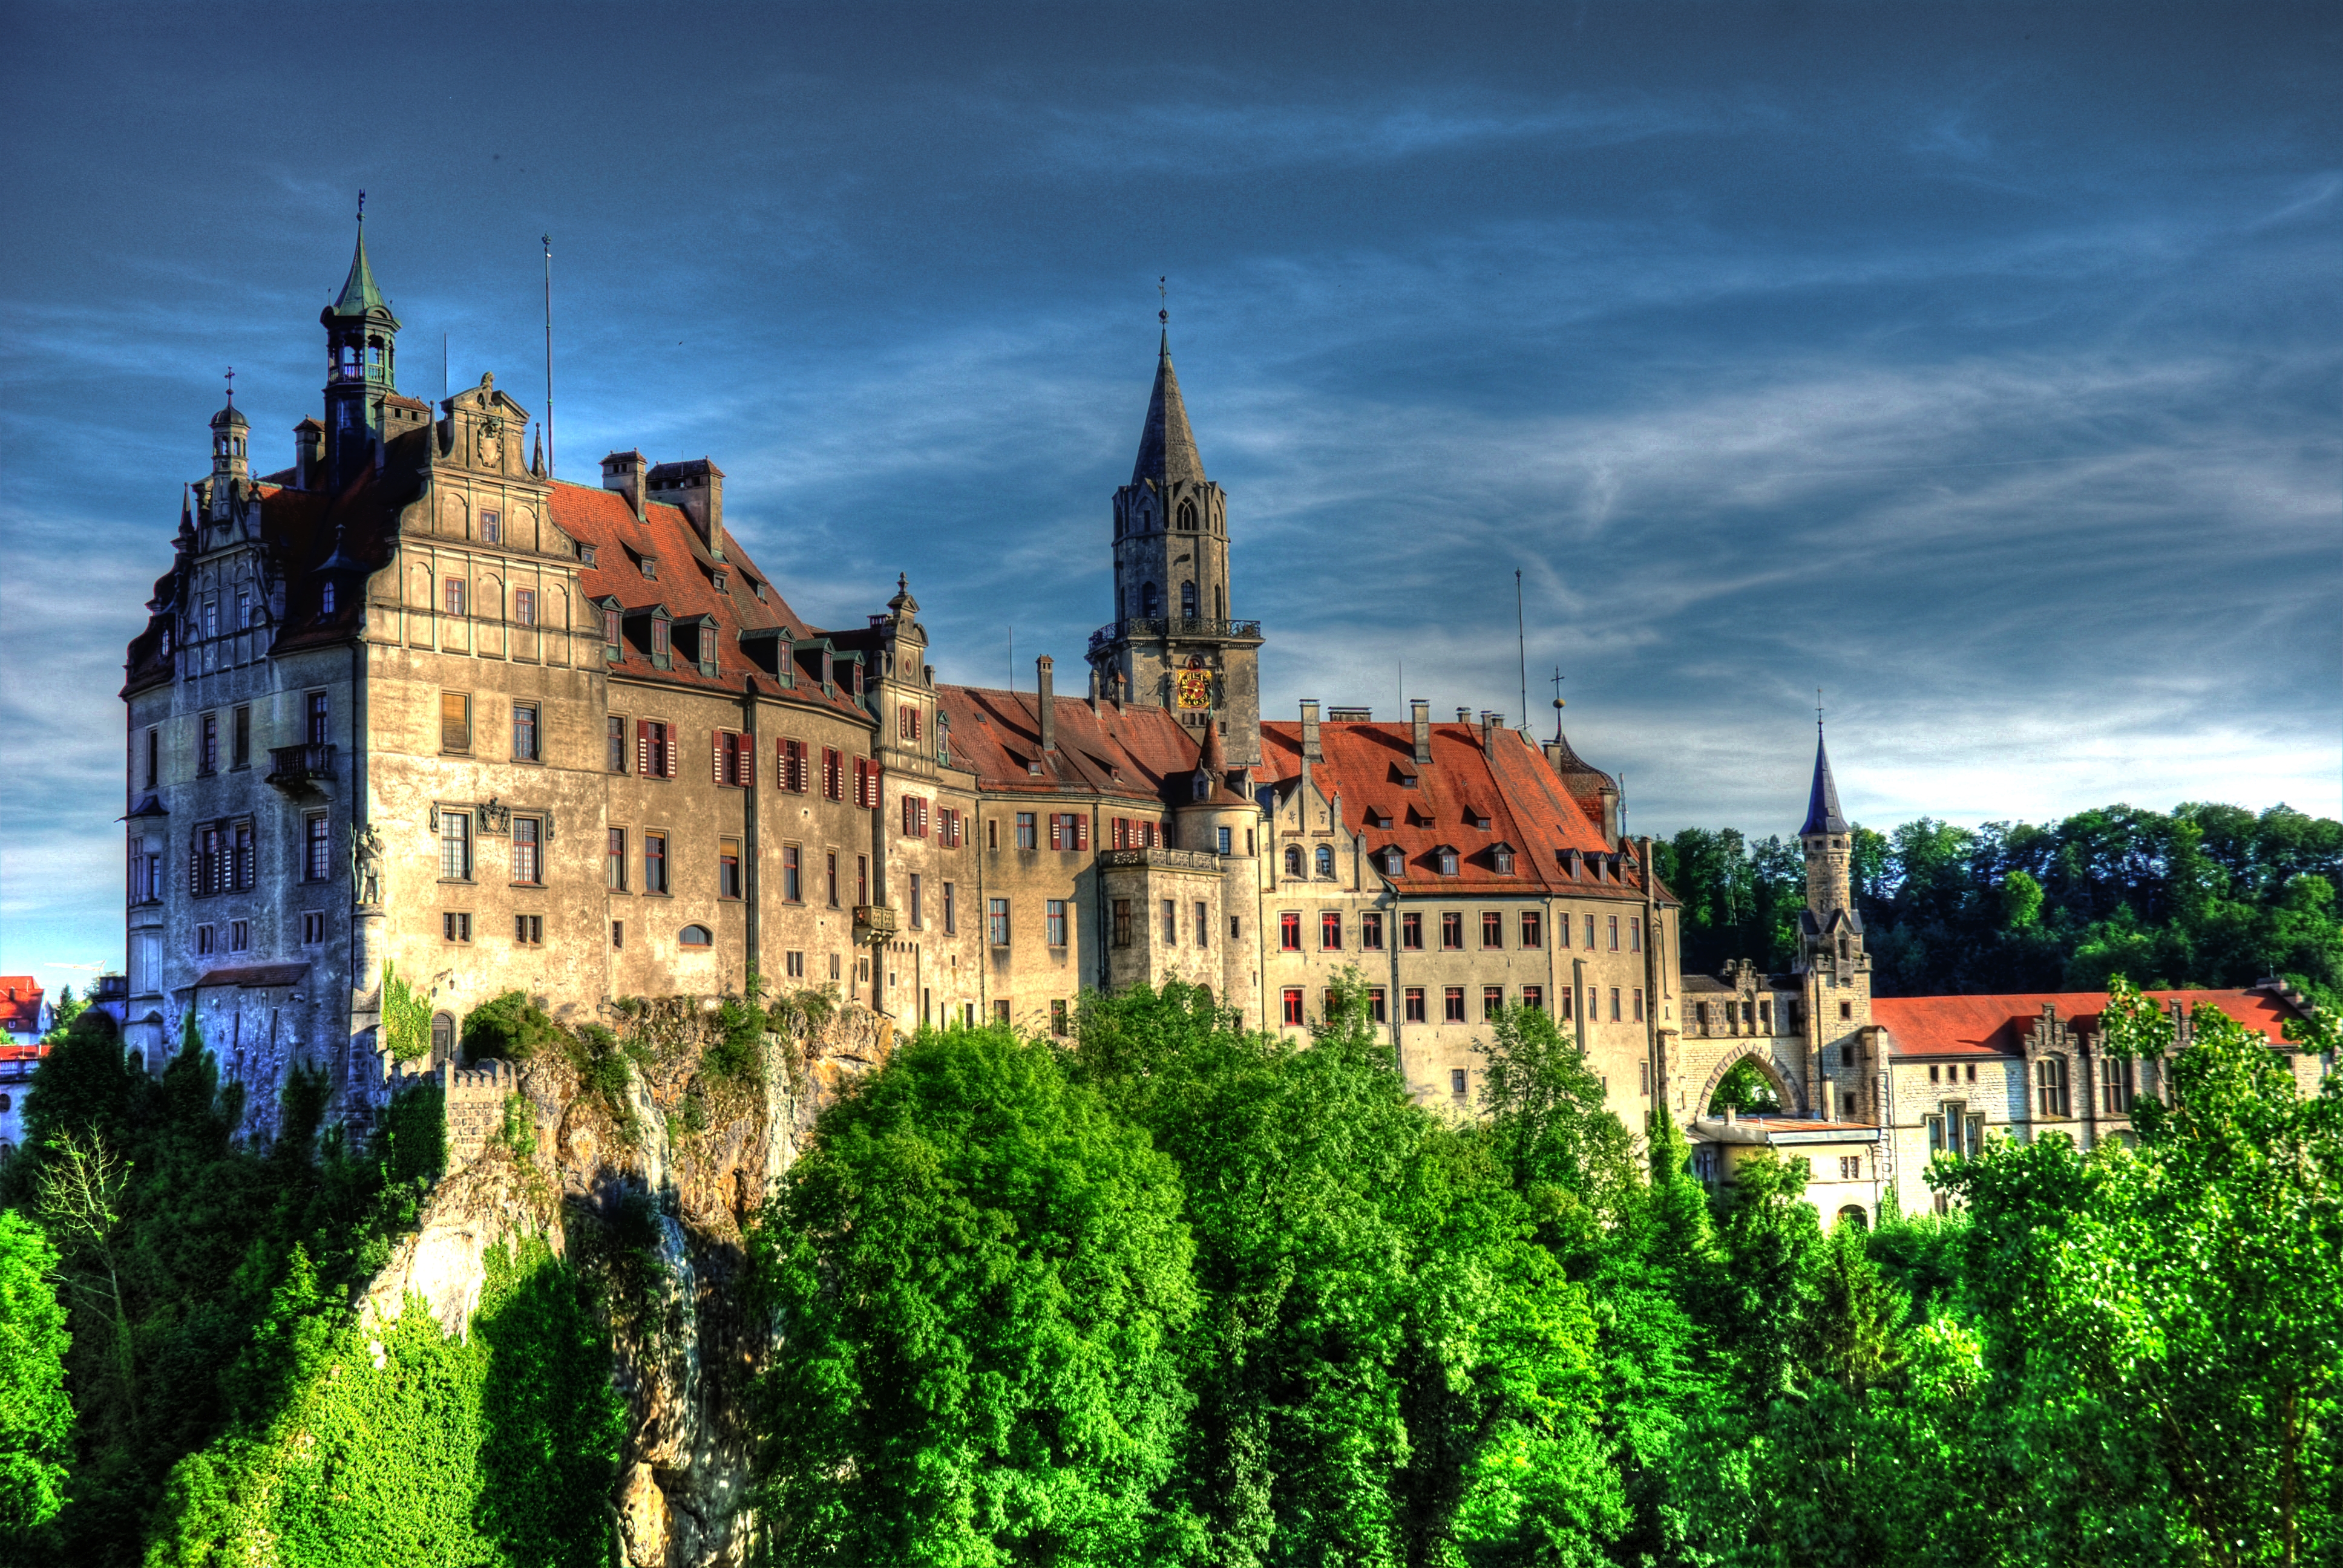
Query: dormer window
{"x": 716, "y": 579}
{"x": 610, "y": 623}
{"x": 660, "y": 644}
{"x": 325, "y": 600}
{"x": 757, "y": 589}
{"x": 585, "y": 555}
{"x": 1395, "y": 863}
{"x": 1502, "y": 857}
{"x": 1479, "y": 820}
{"x": 1201, "y": 787}
{"x": 1447, "y": 860}
{"x": 651, "y": 568}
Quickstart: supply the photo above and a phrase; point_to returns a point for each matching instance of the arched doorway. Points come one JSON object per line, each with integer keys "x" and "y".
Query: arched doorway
{"x": 1853, "y": 1214}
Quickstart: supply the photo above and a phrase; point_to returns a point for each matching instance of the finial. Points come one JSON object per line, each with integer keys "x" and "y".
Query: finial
{"x": 1556, "y": 684}
{"x": 902, "y": 582}
{"x": 231, "y": 386}
{"x": 1163, "y": 299}
{"x": 362, "y": 206}
{"x": 1818, "y": 710}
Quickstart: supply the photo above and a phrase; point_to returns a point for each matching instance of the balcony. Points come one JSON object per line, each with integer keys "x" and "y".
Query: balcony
{"x": 298, "y": 770}
{"x": 873, "y": 923}
{"x": 1160, "y": 858}
{"x": 1175, "y": 628}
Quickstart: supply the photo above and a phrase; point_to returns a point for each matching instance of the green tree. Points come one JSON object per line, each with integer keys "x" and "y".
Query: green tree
{"x": 35, "y": 1413}
{"x": 982, "y": 1273}
{"x": 2166, "y": 1325}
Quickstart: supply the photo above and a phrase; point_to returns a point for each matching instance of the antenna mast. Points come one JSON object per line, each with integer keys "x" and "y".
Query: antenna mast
{"x": 1522, "y": 646}
{"x": 548, "y": 356}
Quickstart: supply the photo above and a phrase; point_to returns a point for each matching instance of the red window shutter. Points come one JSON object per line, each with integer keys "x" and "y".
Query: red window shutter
{"x": 747, "y": 763}
{"x": 1057, "y": 831}
{"x": 1083, "y": 831}
{"x": 716, "y": 744}
{"x": 642, "y": 748}
{"x": 671, "y": 749}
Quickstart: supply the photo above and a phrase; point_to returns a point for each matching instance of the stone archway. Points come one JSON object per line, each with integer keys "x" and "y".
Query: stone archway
{"x": 1788, "y": 1085}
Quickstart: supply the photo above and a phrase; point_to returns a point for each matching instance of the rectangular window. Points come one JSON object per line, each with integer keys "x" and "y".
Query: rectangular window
{"x": 1452, "y": 1005}
{"x": 528, "y": 931}
{"x": 528, "y": 865}
{"x": 614, "y": 732}
{"x": 1292, "y": 1006}
{"x": 1847, "y": 1009}
{"x": 1057, "y": 1011}
{"x": 154, "y": 758}
{"x": 1220, "y": 837}
{"x": 1171, "y": 923}
{"x": 1614, "y": 933}
{"x": 1533, "y": 998}
{"x": 992, "y": 833}
{"x": 1413, "y": 1001}
{"x": 455, "y": 595}
{"x": 951, "y": 911}
{"x": 793, "y": 965}
{"x": 1054, "y": 923}
{"x": 1639, "y": 1004}
{"x": 614, "y": 860}
{"x": 1569, "y": 1003}
{"x": 455, "y": 926}
{"x": 662, "y": 647}
{"x": 2114, "y": 1086}
{"x": 1492, "y": 1002}
{"x": 239, "y": 936}
{"x": 610, "y": 640}
{"x": 1457, "y": 1082}
{"x": 1411, "y": 933}
{"x": 1371, "y": 930}
{"x": 455, "y": 721}
{"x": 866, "y": 783}
{"x": 792, "y": 874}
{"x": 241, "y": 751}
{"x": 1533, "y": 928}
{"x": 617, "y": 934}
{"x": 1492, "y": 928}
{"x": 1028, "y": 831}
{"x": 728, "y": 868}
{"x": 830, "y": 872}
{"x": 1590, "y": 933}
{"x": 862, "y": 878}
{"x": 204, "y": 940}
{"x": 833, "y": 774}
{"x": 525, "y": 605}
{"x": 1634, "y": 934}
{"x": 524, "y": 731}
{"x": 654, "y": 749}
{"x": 1451, "y": 931}
{"x": 1378, "y": 1006}
{"x": 491, "y": 527}
{"x": 1330, "y": 1004}
{"x": 1122, "y": 923}
{"x": 1203, "y": 925}
{"x": 455, "y": 846}
{"x": 792, "y": 755}
{"x": 317, "y": 848}
{"x": 1289, "y": 931}
{"x": 916, "y": 912}
{"x": 208, "y": 744}
{"x": 1329, "y": 931}
{"x": 655, "y": 862}
{"x": 1614, "y": 1004}
{"x": 1000, "y": 1013}
{"x": 313, "y": 927}
{"x": 997, "y": 922}
{"x": 320, "y": 715}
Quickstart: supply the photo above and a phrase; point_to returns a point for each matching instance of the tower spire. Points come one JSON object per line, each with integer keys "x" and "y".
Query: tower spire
{"x": 1167, "y": 447}
{"x": 1822, "y": 815}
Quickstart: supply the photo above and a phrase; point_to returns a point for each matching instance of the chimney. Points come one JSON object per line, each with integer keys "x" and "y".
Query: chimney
{"x": 1419, "y": 711}
{"x": 1490, "y": 722}
{"x": 1312, "y": 750}
{"x": 309, "y": 453}
{"x": 623, "y": 472}
{"x": 696, "y": 490}
{"x": 1048, "y": 705}
{"x": 1611, "y": 814}
{"x": 1094, "y": 688}
{"x": 1464, "y": 716}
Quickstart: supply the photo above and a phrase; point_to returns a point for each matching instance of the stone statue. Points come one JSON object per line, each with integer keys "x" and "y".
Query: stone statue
{"x": 365, "y": 865}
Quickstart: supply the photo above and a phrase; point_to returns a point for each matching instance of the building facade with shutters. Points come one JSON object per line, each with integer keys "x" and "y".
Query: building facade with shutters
{"x": 413, "y": 707}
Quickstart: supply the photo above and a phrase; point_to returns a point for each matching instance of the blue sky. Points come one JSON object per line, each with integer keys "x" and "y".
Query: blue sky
{"x": 1978, "y": 365}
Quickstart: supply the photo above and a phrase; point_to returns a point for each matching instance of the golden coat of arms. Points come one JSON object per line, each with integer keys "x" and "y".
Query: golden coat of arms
{"x": 1192, "y": 687}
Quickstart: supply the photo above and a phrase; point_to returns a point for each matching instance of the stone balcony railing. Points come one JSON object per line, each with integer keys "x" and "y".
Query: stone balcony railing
{"x": 1175, "y": 627}
{"x": 1161, "y": 858}
{"x": 295, "y": 768}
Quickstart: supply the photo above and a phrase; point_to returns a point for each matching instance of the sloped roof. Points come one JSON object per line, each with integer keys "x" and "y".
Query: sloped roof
{"x": 1985, "y": 1026}
{"x": 1527, "y": 804}
{"x": 1167, "y": 447}
{"x": 1822, "y": 800}
{"x": 20, "y": 1004}
{"x": 1144, "y": 754}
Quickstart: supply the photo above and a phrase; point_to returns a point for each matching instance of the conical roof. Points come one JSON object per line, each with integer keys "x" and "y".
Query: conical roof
{"x": 1167, "y": 448}
{"x": 359, "y": 295}
{"x": 1821, "y": 801}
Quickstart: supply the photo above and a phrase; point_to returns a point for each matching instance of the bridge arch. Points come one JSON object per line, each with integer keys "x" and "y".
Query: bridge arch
{"x": 1788, "y": 1084}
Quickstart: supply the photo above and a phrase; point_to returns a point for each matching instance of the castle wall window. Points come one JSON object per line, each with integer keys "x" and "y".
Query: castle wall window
{"x": 728, "y": 868}
{"x": 792, "y": 874}
{"x": 1053, "y": 922}
{"x": 1569, "y": 999}
{"x": 861, "y": 878}
{"x": 524, "y": 732}
{"x": 455, "y": 595}
{"x": 239, "y": 936}
{"x": 1614, "y": 933}
{"x": 1069, "y": 831}
{"x": 696, "y": 937}
{"x": 1171, "y": 923}
{"x": 1590, "y": 933}
{"x": 1411, "y": 1001}
{"x": 313, "y": 927}
{"x": 907, "y": 722}
{"x": 320, "y": 717}
{"x": 1028, "y": 832}
{"x": 455, "y": 846}
{"x": 1492, "y": 1002}
{"x": 1395, "y": 863}
{"x": 525, "y": 605}
{"x": 1501, "y": 859}
{"x": 795, "y": 774}
{"x": 1293, "y": 1001}
{"x": 1451, "y": 931}
{"x": 830, "y": 872}
{"x": 655, "y": 863}
{"x": 240, "y": 742}
{"x": 1371, "y": 930}
{"x": 528, "y": 859}
{"x": 1058, "y": 1023}
{"x": 833, "y": 773}
{"x": 1457, "y": 1082}
{"x": 1293, "y": 861}
{"x": 455, "y": 925}
{"x": 1410, "y": 932}
{"x": 1148, "y": 603}
{"x": 1533, "y": 998}
{"x": 455, "y": 721}
{"x": 614, "y": 859}
{"x": 2050, "y": 1085}
{"x": 153, "y": 758}
{"x": 1639, "y": 1004}
{"x": 1330, "y": 932}
{"x": 1634, "y": 934}
{"x": 2114, "y": 1086}
{"x": 317, "y": 848}
{"x": 492, "y": 527}
{"x": 618, "y": 935}
{"x": 1187, "y": 600}
{"x": 662, "y": 647}
{"x": 654, "y": 749}
{"x": 1492, "y": 928}
{"x": 1289, "y": 931}
{"x": 1614, "y": 1004}
{"x": 1533, "y": 928}
{"x": 951, "y": 911}
{"x": 528, "y": 931}
{"x": 1122, "y": 923}
{"x": 610, "y": 633}
{"x": 919, "y": 909}
{"x": 1847, "y": 1009}
{"x": 1203, "y": 925}
{"x": 614, "y": 743}
{"x": 1221, "y": 839}
{"x": 997, "y": 922}
{"x": 1325, "y": 863}
{"x": 1378, "y": 1006}
{"x": 1188, "y": 516}
{"x": 207, "y": 938}
{"x": 207, "y": 745}
{"x": 866, "y": 783}
{"x": 1452, "y": 1005}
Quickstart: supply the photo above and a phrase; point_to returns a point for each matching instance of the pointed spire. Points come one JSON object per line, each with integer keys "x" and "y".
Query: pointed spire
{"x": 537, "y": 461}
{"x": 1822, "y": 802}
{"x": 359, "y": 295}
{"x": 1167, "y": 448}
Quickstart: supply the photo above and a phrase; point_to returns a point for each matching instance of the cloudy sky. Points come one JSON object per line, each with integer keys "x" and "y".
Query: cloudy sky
{"x": 1977, "y": 365}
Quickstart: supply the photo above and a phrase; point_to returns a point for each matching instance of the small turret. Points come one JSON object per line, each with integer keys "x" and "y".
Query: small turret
{"x": 361, "y": 365}
{"x": 231, "y": 484}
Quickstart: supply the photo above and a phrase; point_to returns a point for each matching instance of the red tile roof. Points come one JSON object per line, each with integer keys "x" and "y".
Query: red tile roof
{"x": 1551, "y": 826}
{"x": 1976, "y": 1026}
{"x": 20, "y": 1004}
{"x": 1141, "y": 754}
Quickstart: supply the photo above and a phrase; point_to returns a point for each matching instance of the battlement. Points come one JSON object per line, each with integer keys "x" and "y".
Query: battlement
{"x": 474, "y": 1101}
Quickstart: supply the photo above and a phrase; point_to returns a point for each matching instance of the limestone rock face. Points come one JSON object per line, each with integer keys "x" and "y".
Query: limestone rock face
{"x": 651, "y": 1194}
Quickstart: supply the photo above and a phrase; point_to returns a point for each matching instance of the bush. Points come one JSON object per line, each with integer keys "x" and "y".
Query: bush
{"x": 510, "y": 1027}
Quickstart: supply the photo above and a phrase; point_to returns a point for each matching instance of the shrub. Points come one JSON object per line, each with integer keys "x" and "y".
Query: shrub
{"x": 509, "y": 1026}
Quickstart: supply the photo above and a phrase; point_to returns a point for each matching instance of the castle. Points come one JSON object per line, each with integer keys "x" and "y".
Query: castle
{"x": 411, "y": 705}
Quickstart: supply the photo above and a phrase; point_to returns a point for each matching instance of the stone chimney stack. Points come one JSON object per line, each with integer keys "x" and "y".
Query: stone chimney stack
{"x": 625, "y": 473}
{"x": 1049, "y": 702}
{"x": 1311, "y": 751}
{"x": 1420, "y": 713}
{"x": 696, "y": 488}
{"x": 1094, "y": 688}
{"x": 309, "y": 453}
{"x": 1490, "y": 722}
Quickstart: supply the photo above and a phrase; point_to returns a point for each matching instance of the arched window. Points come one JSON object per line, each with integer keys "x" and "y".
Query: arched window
{"x": 1188, "y": 516}
{"x": 1187, "y": 600}
{"x": 697, "y": 936}
{"x": 1853, "y": 1214}
{"x": 1395, "y": 863}
{"x": 1325, "y": 862}
{"x": 1293, "y": 860}
{"x": 325, "y": 600}
{"x": 1147, "y": 600}
{"x": 1201, "y": 787}
{"x": 2050, "y": 1084}
{"x": 443, "y": 1037}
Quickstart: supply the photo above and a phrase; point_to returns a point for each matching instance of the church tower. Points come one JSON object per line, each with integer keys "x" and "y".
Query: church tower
{"x": 361, "y": 362}
{"x": 1834, "y": 967}
{"x": 1173, "y": 642}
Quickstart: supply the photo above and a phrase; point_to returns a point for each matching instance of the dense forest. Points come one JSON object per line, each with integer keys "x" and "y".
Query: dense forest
{"x": 2208, "y": 896}
{"x": 1171, "y": 1292}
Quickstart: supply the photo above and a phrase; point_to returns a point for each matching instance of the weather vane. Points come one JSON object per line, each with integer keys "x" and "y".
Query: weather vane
{"x": 362, "y": 206}
{"x": 1164, "y": 300}
{"x": 231, "y": 384}
{"x": 1818, "y": 707}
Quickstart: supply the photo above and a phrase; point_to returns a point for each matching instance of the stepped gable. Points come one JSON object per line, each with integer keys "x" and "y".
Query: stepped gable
{"x": 686, "y": 585}
{"x": 1527, "y": 806}
{"x": 1134, "y": 753}
{"x": 1990, "y": 1026}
